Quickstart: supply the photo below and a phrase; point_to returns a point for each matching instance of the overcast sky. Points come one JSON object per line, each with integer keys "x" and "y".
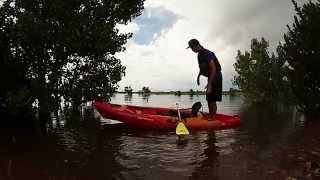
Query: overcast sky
{"x": 156, "y": 56}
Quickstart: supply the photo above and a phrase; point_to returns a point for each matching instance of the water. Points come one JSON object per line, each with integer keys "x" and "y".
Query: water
{"x": 269, "y": 144}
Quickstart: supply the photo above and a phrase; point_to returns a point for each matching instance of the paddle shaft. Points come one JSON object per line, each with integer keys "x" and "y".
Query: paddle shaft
{"x": 179, "y": 115}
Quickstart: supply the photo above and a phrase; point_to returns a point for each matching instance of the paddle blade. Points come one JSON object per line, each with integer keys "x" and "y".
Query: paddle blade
{"x": 181, "y": 129}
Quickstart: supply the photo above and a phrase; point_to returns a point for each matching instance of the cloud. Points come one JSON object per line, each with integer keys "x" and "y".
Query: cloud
{"x": 252, "y": 19}
{"x": 156, "y": 57}
{"x": 153, "y": 23}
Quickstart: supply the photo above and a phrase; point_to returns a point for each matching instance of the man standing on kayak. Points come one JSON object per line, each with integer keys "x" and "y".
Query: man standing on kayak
{"x": 209, "y": 67}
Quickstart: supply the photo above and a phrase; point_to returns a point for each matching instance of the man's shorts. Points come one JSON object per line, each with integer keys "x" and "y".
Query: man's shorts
{"x": 216, "y": 94}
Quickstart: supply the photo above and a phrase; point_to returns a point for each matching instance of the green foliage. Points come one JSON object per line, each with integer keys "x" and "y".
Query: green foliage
{"x": 66, "y": 48}
{"x": 18, "y": 99}
{"x": 191, "y": 92}
{"x": 15, "y": 86}
{"x": 232, "y": 92}
{"x": 128, "y": 89}
{"x": 177, "y": 93}
{"x": 260, "y": 75}
{"x": 12, "y": 70}
{"x": 301, "y": 50}
{"x": 146, "y": 90}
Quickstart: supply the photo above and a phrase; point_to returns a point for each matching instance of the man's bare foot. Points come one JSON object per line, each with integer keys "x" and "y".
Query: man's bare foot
{"x": 210, "y": 117}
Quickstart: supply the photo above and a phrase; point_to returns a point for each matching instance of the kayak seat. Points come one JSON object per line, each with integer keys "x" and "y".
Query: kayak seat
{"x": 194, "y": 111}
{"x": 195, "y": 108}
{"x": 184, "y": 115}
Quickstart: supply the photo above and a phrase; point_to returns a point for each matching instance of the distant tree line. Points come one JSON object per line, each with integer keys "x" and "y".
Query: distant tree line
{"x": 290, "y": 75}
{"x": 145, "y": 90}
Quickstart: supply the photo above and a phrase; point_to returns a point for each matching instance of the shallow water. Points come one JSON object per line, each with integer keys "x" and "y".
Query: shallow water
{"x": 270, "y": 144}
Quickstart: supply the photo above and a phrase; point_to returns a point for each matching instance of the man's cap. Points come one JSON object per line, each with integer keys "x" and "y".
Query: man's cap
{"x": 193, "y": 42}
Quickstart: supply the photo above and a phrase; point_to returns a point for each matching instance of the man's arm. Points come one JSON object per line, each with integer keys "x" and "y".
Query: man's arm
{"x": 198, "y": 78}
{"x": 212, "y": 75}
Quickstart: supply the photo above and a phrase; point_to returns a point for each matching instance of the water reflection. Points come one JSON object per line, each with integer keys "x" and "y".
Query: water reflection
{"x": 207, "y": 167}
{"x": 127, "y": 97}
{"x": 191, "y": 97}
{"x": 268, "y": 140}
{"x": 146, "y": 97}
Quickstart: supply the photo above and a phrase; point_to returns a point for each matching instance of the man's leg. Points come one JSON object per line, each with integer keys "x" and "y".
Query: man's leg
{"x": 212, "y": 108}
{"x": 212, "y": 105}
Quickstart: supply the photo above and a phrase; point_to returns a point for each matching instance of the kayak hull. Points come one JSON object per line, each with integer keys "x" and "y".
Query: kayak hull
{"x": 164, "y": 118}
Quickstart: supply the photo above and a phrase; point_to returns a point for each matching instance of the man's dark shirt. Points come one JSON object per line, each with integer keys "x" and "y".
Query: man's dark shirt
{"x": 204, "y": 57}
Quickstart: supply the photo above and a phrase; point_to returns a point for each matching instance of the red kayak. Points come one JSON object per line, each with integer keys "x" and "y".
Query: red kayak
{"x": 164, "y": 118}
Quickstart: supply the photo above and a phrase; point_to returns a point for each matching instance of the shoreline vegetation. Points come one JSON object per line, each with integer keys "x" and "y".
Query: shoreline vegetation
{"x": 177, "y": 93}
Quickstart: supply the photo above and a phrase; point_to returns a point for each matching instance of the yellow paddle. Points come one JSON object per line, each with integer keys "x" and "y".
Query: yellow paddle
{"x": 181, "y": 129}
